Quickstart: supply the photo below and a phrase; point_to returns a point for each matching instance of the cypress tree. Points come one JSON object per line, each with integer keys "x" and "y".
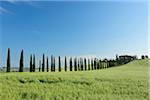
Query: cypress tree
{"x": 95, "y": 64}
{"x": 51, "y": 62}
{"x": 8, "y": 61}
{"x": 100, "y": 65}
{"x": 39, "y": 65}
{"x": 54, "y": 65}
{"x": 21, "y": 62}
{"x": 33, "y": 66}
{"x": 106, "y": 65}
{"x": 85, "y": 63}
{"x": 43, "y": 63}
{"x": 103, "y": 64}
{"x": 75, "y": 64}
{"x": 88, "y": 64}
{"x": 47, "y": 65}
{"x": 78, "y": 64}
{"x": 92, "y": 63}
{"x": 59, "y": 62}
{"x": 30, "y": 63}
{"x": 81, "y": 64}
{"x": 65, "y": 63}
{"x": 109, "y": 63}
{"x": 70, "y": 64}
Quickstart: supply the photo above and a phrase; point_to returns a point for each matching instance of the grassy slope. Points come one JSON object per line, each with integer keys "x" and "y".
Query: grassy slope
{"x": 127, "y": 82}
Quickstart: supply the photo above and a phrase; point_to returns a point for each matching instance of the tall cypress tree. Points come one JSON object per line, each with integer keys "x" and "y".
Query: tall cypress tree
{"x": 107, "y": 63}
{"x": 75, "y": 64}
{"x": 80, "y": 61}
{"x": 70, "y": 64}
{"x": 78, "y": 64}
{"x": 110, "y": 64}
{"x": 65, "y": 63}
{"x": 92, "y": 64}
{"x": 39, "y": 65}
{"x": 81, "y": 64}
{"x": 59, "y": 63}
{"x": 88, "y": 64}
{"x": 100, "y": 64}
{"x": 95, "y": 64}
{"x": 30, "y": 63}
{"x": 21, "y": 62}
{"x": 85, "y": 63}
{"x": 51, "y": 62}
{"x": 54, "y": 65}
{"x": 43, "y": 63}
{"x": 8, "y": 61}
{"x": 47, "y": 64}
{"x": 33, "y": 66}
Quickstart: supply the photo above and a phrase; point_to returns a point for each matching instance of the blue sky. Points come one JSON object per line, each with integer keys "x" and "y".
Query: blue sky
{"x": 82, "y": 28}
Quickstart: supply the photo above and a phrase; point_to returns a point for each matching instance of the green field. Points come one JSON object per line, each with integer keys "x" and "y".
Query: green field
{"x": 127, "y": 82}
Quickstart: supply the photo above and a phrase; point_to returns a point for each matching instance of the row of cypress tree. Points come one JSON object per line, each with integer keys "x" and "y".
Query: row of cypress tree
{"x": 21, "y": 64}
{"x": 79, "y": 64}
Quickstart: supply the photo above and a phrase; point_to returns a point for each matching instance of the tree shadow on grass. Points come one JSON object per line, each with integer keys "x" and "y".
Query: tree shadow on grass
{"x": 54, "y": 81}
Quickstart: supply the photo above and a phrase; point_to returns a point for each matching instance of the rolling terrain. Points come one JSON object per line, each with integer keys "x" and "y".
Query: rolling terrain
{"x": 126, "y": 82}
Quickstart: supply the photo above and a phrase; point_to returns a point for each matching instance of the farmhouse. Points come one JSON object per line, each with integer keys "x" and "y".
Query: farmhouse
{"x": 123, "y": 59}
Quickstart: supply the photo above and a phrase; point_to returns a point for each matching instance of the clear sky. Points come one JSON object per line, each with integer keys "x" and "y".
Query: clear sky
{"x": 82, "y": 28}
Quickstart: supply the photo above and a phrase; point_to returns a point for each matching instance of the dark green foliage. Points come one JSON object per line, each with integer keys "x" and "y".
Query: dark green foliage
{"x": 47, "y": 65}
{"x": 81, "y": 63}
{"x": 75, "y": 64}
{"x": 8, "y": 60}
{"x": 117, "y": 58}
{"x": 108, "y": 64}
{"x": 43, "y": 63}
{"x": 59, "y": 63}
{"x": 30, "y": 63}
{"x": 85, "y": 64}
{"x": 78, "y": 65}
{"x": 111, "y": 63}
{"x": 33, "y": 66}
{"x": 146, "y": 56}
{"x": 51, "y": 62}
{"x": 98, "y": 67}
{"x": 21, "y": 62}
{"x": 88, "y": 64}
{"x": 92, "y": 64}
{"x": 70, "y": 64}
{"x": 100, "y": 64}
{"x": 65, "y": 63}
{"x": 54, "y": 65}
{"x": 142, "y": 57}
{"x": 95, "y": 64}
{"x": 39, "y": 65}
{"x": 105, "y": 63}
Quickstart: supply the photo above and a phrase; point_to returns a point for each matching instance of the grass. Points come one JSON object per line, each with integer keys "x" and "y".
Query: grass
{"x": 127, "y": 82}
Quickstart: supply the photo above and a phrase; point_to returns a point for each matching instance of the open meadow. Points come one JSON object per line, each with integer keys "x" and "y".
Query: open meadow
{"x": 126, "y": 82}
